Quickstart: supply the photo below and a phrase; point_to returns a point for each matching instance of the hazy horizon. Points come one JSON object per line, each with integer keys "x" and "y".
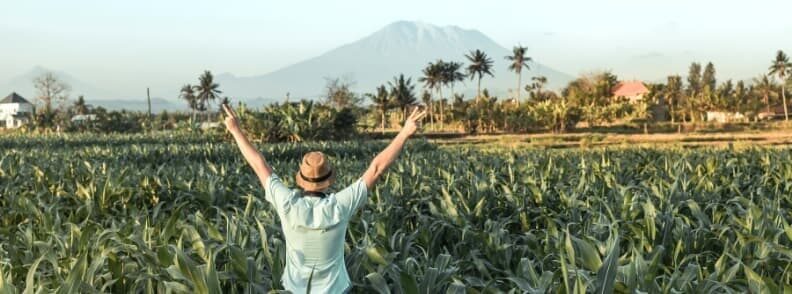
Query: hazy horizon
{"x": 126, "y": 46}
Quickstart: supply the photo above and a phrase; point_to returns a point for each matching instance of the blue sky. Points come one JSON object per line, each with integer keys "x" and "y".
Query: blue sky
{"x": 127, "y": 44}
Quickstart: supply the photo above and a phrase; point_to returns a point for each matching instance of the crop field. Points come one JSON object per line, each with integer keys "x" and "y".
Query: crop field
{"x": 185, "y": 214}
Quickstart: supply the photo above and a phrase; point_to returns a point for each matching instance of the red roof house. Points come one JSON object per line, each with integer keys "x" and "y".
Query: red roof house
{"x": 632, "y": 90}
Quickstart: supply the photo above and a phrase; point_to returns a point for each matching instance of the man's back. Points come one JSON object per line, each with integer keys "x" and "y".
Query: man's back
{"x": 315, "y": 227}
{"x": 315, "y": 230}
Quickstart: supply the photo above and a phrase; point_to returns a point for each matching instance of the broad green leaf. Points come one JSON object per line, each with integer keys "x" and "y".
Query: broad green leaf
{"x": 378, "y": 283}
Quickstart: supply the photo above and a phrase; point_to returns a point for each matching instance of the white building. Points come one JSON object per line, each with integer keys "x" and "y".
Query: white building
{"x": 724, "y": 117}
{"x": 80, "y": 118}
{"x": 14, "y": 111}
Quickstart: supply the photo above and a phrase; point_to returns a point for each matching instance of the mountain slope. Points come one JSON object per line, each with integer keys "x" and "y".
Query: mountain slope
{"x": 401, "y": 47}
{"x": 23, "y": 84}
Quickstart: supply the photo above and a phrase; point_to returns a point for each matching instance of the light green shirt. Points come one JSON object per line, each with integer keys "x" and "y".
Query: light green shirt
{"x": 315, "y": 229}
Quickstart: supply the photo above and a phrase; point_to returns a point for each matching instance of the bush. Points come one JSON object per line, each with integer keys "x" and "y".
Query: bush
{"x": 300, "y": 121}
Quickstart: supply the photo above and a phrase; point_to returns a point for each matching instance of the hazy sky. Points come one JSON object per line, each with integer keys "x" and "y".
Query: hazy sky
{"x": 132, "y": 44}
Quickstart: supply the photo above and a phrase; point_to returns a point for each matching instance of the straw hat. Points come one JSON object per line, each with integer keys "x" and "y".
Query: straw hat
{"x": 316, "y": 173}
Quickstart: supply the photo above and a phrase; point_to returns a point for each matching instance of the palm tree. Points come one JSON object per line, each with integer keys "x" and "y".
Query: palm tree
{"x": 764, "y": 87}
{"x": 402, "y": 93}
{"x": 79, "y": 106}
{"x": 426, "y": 98}
{"x": 188, "y": 94}
{"x": 480, "y": 65}
{"x": 518, "y": 62}
{"x": 451, "y": 75}
{"x": 382, "y": 101}
{"x": 207, "y": 90}
{"x": 433, "y": 78}
{"x": 782, "y": 68}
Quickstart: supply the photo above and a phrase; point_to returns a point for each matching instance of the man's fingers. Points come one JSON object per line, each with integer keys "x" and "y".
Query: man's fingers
{"x": 421, "y": 115}
{"x": 229, "y": 111}
{"x": 412, "y": 114}
{"x": 418, "y": 116}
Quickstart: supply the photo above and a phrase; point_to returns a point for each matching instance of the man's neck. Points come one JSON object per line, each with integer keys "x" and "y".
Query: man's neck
{"x": 314, "y": 194}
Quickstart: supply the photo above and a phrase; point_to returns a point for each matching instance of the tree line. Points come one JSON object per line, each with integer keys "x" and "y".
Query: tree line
{"x": 586, "y": 101}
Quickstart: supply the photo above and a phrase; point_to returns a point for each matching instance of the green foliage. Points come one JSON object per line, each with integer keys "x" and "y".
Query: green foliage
{"x": 300, "y": 121}
{"x": 339, "y": 94}
{"x": 403, "y": 92}
{"x": 184, "y": 213}
{"x": 480, "y": 66}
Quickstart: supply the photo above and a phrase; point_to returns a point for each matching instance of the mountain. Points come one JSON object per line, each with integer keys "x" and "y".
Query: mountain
{"x": 157, "y": 105}
{"x": 95, "y": 96}
{"x": 400, "y": 47}
{"x": 23, "y": 84}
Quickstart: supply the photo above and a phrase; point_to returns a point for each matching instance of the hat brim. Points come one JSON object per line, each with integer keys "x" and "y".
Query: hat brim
{"x": 314, "y": 186}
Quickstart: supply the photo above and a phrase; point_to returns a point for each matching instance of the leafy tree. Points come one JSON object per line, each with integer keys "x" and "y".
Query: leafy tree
{"x": 480, "y": 65}
{"x": 518, "y": 61}
{"x": 79, "y": 106}
{"x": 116, "y": 121}
{"x": 693, "y": 90}
{"x": 765, "y": 87}
{"x": 643, "y": 113}
{"x": 782, "y": 68}
{"x": 344, "y": 122}
{"x": 165, "y": 120}
{"x": 708, "y": 99}
{"x": 426, "y": 98}
{"x": 382, "y": 102}
{"x": 339, "y": 95}
{"x": 673, "y": 95}
{"x": 741, "y": 100}
{"x": 708, "y": 77}
{"x": 403, "y": 92}
{"x": 723, "y": 99}
{"x": 458, "y": 107}
{"x": 536, "y": 88}
{"x": 591, "y": 93}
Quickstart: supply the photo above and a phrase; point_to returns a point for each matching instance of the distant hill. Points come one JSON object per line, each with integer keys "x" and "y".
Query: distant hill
{"x": 23, "y": 84}
{"x": 157, "y": 105}
{"x": 97, "y": 97}
{"x": 401, "y": 47}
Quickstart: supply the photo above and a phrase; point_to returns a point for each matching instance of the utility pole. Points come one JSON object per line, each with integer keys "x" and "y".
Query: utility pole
{"x": 148, "y": 96}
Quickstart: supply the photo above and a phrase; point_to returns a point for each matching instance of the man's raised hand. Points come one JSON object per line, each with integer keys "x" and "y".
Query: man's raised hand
{"x": 231, "y": 121}
{"x": 411, "y": 124}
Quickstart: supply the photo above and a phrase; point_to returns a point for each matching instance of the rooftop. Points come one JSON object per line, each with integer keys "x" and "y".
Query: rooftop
{"x": 629, "y": 89}
{"x": 13, "y": 98}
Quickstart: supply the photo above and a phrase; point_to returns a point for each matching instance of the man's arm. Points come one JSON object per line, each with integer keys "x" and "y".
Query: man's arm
{"x": 253, "y": 157}
{"x": 385, "y": 158}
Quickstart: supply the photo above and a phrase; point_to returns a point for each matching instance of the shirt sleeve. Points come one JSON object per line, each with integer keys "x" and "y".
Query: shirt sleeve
{"x": 275, "y": 192}
{"x": 352, "y": 197}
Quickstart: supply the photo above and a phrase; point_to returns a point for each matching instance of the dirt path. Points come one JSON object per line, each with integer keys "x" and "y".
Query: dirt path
{"x": 597, "y": 139}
